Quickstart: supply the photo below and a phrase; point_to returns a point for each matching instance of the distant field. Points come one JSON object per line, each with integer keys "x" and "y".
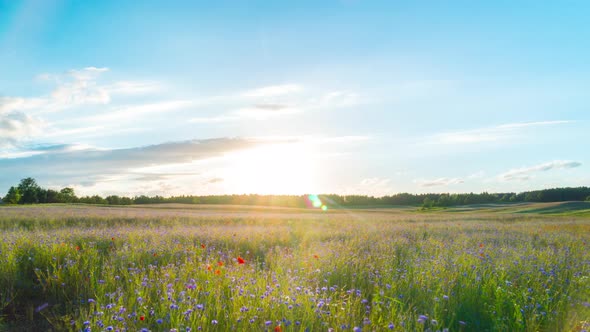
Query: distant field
{"x": 503, "y": 267}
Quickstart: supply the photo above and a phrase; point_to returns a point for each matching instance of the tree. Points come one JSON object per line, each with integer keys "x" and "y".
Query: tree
{"x": 427, "y": 203}
{"x": 29, "y": 190}
{"x": 67, "y": 195}
{"x": 51, "y": 196}
{"x": 13, "y": 196}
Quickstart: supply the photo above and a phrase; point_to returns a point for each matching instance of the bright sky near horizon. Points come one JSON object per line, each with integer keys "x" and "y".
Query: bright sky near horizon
{"x": 284, "y": 97}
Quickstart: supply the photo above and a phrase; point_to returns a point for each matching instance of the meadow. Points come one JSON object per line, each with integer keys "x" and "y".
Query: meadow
{"x": 215, "y": 268}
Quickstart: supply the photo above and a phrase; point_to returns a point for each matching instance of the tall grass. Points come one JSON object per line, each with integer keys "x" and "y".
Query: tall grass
{"x": 115, "y": 269}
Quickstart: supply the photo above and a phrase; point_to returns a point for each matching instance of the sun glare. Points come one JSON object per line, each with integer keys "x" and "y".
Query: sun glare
{"x": 277, "y": 169}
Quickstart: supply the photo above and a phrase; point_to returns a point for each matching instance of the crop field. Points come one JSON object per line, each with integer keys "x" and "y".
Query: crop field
{"x": 214, "y": 268}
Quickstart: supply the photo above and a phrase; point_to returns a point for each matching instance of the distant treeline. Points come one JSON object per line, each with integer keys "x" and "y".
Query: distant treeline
{"x": 29, "y": 192}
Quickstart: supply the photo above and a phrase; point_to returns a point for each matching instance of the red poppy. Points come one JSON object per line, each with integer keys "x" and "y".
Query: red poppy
{"x": 220, "y": 263}
{"x": 78, "y": 248}
{"x": 278, "y": 328}
{"x": 202, "y": 246}
{"x": 141, "y": 318}
{"x": 155, "y": 254}
{"x": 218, "y": 272}
{"x": 112, "y": 239}
{"x": 209, "y": 268}
{"x": 316, "y": 256}
{"x": 481, "y": 245}
{"x": 241, "y": 260}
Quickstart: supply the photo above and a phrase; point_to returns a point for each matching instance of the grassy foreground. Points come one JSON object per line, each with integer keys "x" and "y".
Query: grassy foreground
{"x": 84, "y": 268}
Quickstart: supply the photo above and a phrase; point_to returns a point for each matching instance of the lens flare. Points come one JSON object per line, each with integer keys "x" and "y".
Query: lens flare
{"x": 314, "y": 201}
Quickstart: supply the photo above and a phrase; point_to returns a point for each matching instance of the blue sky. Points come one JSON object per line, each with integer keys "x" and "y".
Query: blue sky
{"x": 363, "y": 97}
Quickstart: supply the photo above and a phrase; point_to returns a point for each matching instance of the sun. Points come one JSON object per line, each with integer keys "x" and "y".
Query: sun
{"x": 276, "y": 169}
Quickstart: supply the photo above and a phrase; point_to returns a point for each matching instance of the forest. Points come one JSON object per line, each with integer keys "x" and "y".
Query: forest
{"x": 28, "y": 191}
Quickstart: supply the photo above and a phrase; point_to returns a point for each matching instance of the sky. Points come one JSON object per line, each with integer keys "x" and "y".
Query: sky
{"x": 294, "y": 97}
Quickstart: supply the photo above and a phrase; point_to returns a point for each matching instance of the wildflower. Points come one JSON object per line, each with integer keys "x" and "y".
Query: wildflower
{"x": 209, "y": 268}
{"x": 445, "y": 297}
{"x": 278, "y": 328}
{"x": 202, "y": 246}
{"x": 316, "y": 256}
{"x": 241, "y": 260}
{"x": 217, "y": 272}
{"x": 434, "y": 322}
{"x": 141, "y": 317}
{"x": 159, "y": 321}
{"x": 422, "y": 319}
{"x": 356, "y": 329}
{"x": 220, "y": 263}
{"x": 78, "y": 248}
{"x": 214, "y": 322}
{"x": 200, "y": 306}
{"x": 87, "y": 322}
{"x": 481, "y": 245}
{"x": 391, "y": 326}
{"x": 42, "y": 307}
{"x": 91, "y": 301}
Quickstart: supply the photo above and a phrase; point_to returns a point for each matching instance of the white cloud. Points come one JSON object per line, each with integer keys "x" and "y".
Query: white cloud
{"x": 17, "y": 126}
{"x": 75, "y": 88}
{"x": 526, "y": 173}
{"x": 10, "y": 104}
{"x": 438, "y": 182}
{"x": 66, "y": 164}
{"x": 374, "y": 186}
{"x": 273, "y": 91}
{"x": 134, "y": 87}
{"x": 266, "y": 110}
{"x": 488, "y": 134}
{"x": 131, "y": 112}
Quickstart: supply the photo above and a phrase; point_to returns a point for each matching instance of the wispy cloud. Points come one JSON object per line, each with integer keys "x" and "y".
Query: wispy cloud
{"x": 133, "y": 111}
{"x": 438, "y": 182}
{"x": 75, "y": 88}
{"x": 526, "y": 173}
{"x": 273, "y": 91}
{"x": 374, "y": 186}
{"x": 488, "y": 134}
{"x": 283, "y": 105}
{"x": 17, "y": 126}
{"x": 77, "y": 164}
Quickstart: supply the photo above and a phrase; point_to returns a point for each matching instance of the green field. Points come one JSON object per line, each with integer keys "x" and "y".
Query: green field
{"x": 520, "y": 267}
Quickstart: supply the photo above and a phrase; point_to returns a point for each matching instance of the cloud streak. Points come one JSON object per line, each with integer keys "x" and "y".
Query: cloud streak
{"x": 526, "y": 173}
{"x": 75, "y": 164}
{"x": 440, "y": 182}
{"x": 273, "y": 91}
{"x": 488, "y": 134}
